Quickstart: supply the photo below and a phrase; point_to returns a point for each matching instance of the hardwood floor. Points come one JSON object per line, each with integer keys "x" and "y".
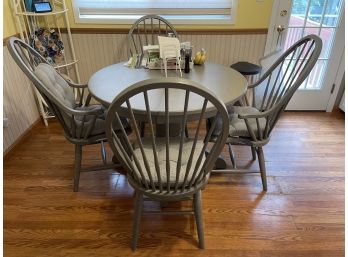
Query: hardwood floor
{"x": 302, "y": 214}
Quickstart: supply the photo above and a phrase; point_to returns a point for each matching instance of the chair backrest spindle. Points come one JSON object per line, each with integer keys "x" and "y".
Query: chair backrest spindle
{"x": 146, "y": 30}
{"x": 275, "y": 88}
{"x": 167, "y": 165}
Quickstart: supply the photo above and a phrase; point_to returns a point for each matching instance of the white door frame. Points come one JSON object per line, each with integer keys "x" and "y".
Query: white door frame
{"x": 276, "y": 19}
{"x": 337, "y": 81}
{"x": 339, "y": 68}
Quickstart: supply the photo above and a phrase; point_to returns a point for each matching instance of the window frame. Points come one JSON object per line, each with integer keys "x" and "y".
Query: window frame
{"x": 173, "y": 19}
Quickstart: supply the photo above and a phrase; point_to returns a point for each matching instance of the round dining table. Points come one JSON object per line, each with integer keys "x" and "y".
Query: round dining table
{"x": 227, "y": 84}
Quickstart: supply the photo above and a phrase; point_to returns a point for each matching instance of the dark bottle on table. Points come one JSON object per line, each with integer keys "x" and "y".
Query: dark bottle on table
{"x": 187, "y": 63}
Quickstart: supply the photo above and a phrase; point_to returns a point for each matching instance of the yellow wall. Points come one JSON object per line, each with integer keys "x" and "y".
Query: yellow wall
{"x": 250, "y": 14}
{"x": 9, "y": 27}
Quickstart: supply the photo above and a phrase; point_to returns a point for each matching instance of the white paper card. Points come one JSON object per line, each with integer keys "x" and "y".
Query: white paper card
{"x": 169, "y": 47}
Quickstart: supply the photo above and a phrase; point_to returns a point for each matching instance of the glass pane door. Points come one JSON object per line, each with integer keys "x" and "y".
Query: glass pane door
{"x": 319, "y": 17}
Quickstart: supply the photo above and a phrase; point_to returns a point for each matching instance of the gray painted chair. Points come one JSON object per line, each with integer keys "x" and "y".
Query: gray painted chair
{"x": 167, "y": 168}
{"x": 145, "y": 31}
{"x": 82, "y": 124}
{"x": 252, "y": 125}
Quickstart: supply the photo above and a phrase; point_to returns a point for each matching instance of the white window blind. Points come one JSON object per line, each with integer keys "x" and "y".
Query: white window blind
{"x": 174, "y": 10}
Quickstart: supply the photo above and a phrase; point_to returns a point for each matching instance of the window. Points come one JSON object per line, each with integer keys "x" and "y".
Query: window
{"x": 176, "y": 11}
{"x": 315, "y": 11}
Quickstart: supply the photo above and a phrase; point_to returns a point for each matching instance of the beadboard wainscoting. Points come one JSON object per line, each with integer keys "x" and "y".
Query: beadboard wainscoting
{"x": 19, "y": 104}
{"x": 95, "y": 51}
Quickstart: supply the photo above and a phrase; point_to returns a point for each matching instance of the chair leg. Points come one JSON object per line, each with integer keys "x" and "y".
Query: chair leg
{"x": 142, "y": 129}
{"x": 164, "y": 204}
{"x": 138, "y": 208}
{"x": 78, "y": 158}
{"x": 103, "y": 152}
{"x": 186, "y": 132}
{"x": 253, "y": 152}
{"x": 262, "y": 168}
{"x": 232, "y": 156}
{"x": 197, "y": 203}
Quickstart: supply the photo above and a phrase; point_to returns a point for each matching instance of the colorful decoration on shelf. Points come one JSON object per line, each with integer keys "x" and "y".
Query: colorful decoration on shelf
{"x": 49, "y": 44}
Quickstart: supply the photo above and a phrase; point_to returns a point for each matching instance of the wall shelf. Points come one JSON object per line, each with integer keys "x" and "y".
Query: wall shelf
{"x": 28, "y": 22}
{"x": 54, "y": 12}
{"x": 65, "y": 64}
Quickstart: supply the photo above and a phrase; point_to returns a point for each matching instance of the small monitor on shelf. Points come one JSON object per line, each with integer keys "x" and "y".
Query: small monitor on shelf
{"x": 41, "y": 7}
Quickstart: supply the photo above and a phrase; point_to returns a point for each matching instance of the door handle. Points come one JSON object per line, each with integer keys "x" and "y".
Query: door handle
{"x": 280, "y": 28}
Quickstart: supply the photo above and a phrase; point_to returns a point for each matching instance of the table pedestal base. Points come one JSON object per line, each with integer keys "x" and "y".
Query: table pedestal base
{"x": 220, "y": 163}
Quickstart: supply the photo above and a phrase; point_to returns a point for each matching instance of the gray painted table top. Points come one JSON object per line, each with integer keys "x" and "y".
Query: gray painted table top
{"x": 227, "y": 84}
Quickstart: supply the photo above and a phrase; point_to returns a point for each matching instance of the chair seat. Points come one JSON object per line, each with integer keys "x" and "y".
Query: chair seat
{"x": 238, "y": 126}
{"x": 246, "y": 68}
{"x": 99, "y": 123}
{"x": 173, "y": 153}
{"x": 99, "y": 126}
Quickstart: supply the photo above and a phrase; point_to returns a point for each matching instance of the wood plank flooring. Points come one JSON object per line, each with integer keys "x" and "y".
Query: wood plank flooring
{"x": 302, "y": 214}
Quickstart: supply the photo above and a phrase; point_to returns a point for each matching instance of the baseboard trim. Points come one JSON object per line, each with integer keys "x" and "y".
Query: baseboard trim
{"x": 24, "y": 135}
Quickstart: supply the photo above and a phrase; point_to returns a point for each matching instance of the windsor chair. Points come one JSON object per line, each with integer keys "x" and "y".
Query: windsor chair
{"x": 252, "y": 125}
{"x": 145, "y": 31}
{"x": 83, "y": 124}
{"x": 167, "y": 168}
